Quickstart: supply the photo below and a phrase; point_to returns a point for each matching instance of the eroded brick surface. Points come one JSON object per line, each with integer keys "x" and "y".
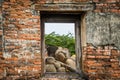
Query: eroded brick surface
{"x": 22, "y": 40}
{"x": 101, "y": 63}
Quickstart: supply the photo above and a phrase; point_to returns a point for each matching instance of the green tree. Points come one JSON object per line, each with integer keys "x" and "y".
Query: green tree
{"x": 65, "y": 41}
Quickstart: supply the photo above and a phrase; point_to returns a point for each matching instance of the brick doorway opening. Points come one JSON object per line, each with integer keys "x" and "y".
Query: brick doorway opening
{"x": 64, "y": 17}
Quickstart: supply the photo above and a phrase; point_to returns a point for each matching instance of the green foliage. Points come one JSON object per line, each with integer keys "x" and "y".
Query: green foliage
{"x": 65, "y": 41}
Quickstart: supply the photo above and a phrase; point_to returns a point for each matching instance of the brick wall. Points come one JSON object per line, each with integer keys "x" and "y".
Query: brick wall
{"x": 20, "y": 36}
{"x": 107, "y": 6}
{"x": 21, "y": 41}
{"x": 102, "y": 62}
{"x": 2, "y": 60}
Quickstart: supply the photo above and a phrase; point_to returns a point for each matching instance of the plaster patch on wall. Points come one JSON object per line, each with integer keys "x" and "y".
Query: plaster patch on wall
{"x": 103, "y": 29}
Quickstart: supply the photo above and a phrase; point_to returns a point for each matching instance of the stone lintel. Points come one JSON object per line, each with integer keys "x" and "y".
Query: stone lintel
{"x": 64, "y": 7}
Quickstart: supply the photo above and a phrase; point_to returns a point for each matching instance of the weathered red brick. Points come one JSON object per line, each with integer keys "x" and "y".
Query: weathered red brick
{"x": 114, "y": 52}
{"x": 37, "y": 62}
{"x": 91, "y": 56}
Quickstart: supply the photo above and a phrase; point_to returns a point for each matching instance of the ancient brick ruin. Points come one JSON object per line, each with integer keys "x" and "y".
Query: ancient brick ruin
{"x": 20, "y": 37}
{"x": 101, "y": 62}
